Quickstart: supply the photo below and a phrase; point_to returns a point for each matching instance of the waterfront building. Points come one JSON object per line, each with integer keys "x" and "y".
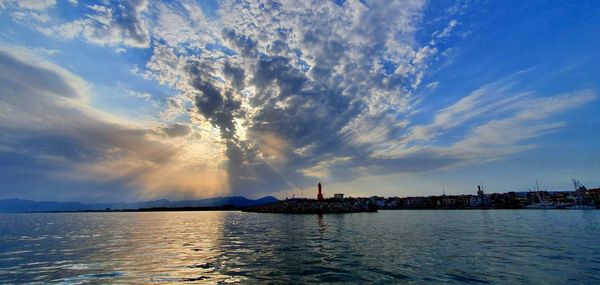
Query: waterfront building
{"x": 481, "y": 200}
{"x": 339, "y": 196}
{"x": 484, "y": 199}
{"x": 415, "y": 202}
{"x": 379, "y": 201}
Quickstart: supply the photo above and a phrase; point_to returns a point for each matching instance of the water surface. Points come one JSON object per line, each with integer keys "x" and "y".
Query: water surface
{"x": 471, "y": 246}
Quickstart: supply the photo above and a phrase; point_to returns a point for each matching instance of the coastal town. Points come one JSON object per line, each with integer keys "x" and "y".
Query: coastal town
{"x": 338, "y": 204}
{"x": 579, "y": 198}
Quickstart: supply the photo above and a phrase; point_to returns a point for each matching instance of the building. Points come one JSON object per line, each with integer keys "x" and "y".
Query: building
{"x": 320, "y": 194}
{"x": 379, "y": 201}
{"x": 481, "y": 200}
{"x": 339, "y": 196}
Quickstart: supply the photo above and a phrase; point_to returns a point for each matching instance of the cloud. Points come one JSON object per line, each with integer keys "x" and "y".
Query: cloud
{"x": 324, "y": 168}
{"x": 317, "y": 83}
{"x": 529, "y": 120}
{"x": 51, "y": 117}
{"x": 177, "y": 130}
{"x": 446, "y": 31}
{"x": 424, "y": 53}
{"x": 483, "y": 101}
{"x": 274, "y": 94}
{"x": 137, "y": 94}
{"x": 38, "y": 76}
{"x": 490, "y": 123}
{"x": 112, "y": 25}
{"x": 36, "y": 4}
{"x": 300, "y": 72}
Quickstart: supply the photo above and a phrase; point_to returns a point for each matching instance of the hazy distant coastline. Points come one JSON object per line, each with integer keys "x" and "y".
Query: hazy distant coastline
{"x": 578, "y": 199}
{"x": 211, "y": 204}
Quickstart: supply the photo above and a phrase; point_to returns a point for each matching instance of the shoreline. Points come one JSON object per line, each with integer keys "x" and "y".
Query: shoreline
{"x": 242, "y": 210}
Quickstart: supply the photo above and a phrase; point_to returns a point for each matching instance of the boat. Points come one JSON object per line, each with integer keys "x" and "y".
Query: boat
{"x": 543, "y": 203}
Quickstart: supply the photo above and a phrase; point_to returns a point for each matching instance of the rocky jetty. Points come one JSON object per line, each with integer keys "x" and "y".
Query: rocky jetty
{"x": 309, "y": 206}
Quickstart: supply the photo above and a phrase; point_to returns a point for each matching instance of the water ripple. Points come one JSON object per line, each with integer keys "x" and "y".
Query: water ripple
{"x": 518, "y": 247}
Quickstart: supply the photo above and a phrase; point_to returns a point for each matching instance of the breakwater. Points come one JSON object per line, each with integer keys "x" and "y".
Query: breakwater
{"x": 309, "y": 206}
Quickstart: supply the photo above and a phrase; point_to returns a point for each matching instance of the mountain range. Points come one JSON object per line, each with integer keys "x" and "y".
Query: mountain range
{"x": 16, "y": 205}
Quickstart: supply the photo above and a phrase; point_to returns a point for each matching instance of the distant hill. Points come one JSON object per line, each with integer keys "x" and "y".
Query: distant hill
{"x": 20, "y": 205}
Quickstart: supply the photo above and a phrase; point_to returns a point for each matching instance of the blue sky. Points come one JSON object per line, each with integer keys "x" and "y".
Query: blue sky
{"x": 135, "y": 100}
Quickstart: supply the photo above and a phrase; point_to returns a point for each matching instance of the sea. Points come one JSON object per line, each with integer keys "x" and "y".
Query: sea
{"x": 221, "y": 247}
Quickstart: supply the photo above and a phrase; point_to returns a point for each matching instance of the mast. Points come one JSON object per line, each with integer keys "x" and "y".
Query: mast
{"x": 537, "y": 189}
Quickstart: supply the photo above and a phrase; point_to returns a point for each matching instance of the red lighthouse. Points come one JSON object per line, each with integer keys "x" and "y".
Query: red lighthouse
{"x": 320, "y": 195}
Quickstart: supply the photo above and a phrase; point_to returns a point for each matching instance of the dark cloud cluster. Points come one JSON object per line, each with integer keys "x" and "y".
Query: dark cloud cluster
{"x": 235, "y": 75}
{"x": 246, "y": 171}
{"x": 313, "y": 71}
{"x": 177, "y": 130}
{"x": 216, "y": 105}
{"x": 299, "y": 122}
{"x": 130, "y": 21}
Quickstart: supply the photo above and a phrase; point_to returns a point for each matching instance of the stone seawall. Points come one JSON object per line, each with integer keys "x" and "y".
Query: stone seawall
{"x": 306, "y": 206}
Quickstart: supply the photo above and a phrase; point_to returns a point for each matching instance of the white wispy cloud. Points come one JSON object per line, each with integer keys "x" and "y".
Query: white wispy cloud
{"x": 490, "y": 123}
{"x": 446, "y": 31}
{"x": 481, "y": 102}
{"x": 532, "y": 118}
{"x": 36, "y": 4}
{"x": 117, "y": 25}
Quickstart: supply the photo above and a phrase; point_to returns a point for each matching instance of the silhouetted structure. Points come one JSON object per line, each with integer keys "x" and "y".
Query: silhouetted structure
{"x": 320, "y": 194}
{"x": 337, "y": 205}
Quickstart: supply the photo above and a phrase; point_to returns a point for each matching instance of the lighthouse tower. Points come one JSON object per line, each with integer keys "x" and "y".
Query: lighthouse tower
{"x": 320, "y": 195}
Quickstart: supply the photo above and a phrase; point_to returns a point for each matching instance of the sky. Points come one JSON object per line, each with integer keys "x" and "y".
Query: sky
{"x": 137, "y": 100}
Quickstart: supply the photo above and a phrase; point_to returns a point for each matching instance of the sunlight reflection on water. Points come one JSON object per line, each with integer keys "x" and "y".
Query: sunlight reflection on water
{"x": 232, "y": 247}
